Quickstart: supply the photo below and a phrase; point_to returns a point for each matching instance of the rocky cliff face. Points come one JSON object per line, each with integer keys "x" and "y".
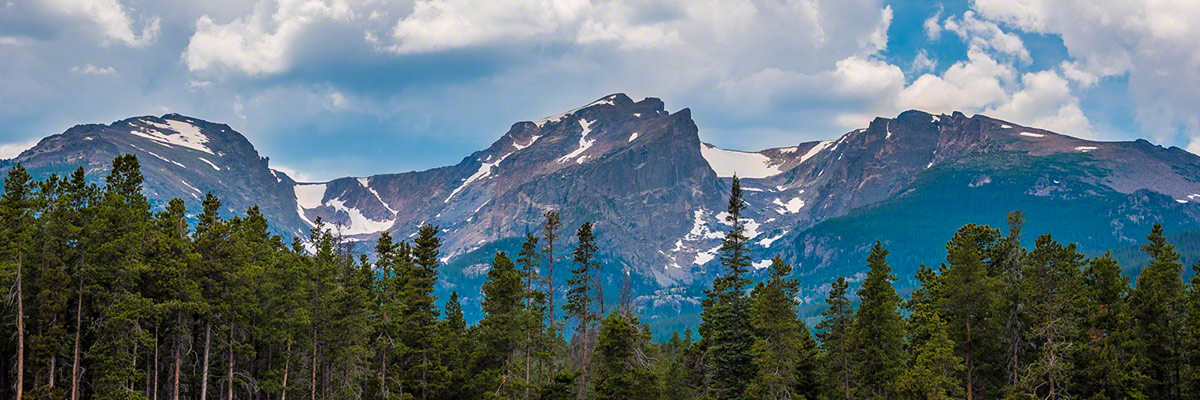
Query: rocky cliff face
{"x": 657, "y": 193}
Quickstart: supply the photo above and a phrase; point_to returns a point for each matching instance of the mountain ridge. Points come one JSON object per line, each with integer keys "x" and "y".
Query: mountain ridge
{"x": 656, "y": 191}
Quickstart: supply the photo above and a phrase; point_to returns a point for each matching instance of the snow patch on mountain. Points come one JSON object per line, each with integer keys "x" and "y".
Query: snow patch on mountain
{"x": 727, "y": 163}
{"x": 210, "y": 163}
{"x": 485, "y": 169}
{"x": 814, "y": 150}
{"x": 632, "y": 137}
{"x": 309, "y": 195}
{"x": 359, "y": 223}
{"x": 177, "y": 133}
{"x": 1085, "y": 149}
{"x": 519, "y": 147}
{"x": 766, "y": 242}
{"x": 791, "y": 206}
{"x": 584, "y": 143}
{"x": 706, "y": 256}
{"x": 700, "y": 228}
{"x": 1031, "y": 134}
{"x": 366, "y": 184}
{"x": 761, "y": 264}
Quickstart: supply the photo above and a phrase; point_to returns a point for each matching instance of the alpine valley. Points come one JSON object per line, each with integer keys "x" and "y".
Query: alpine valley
{"x": 656, "y": 193}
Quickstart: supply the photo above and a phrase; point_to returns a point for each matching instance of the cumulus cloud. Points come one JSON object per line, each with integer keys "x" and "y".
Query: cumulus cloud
{"x": 923, "y": 62}
{"x": 261, "y": 43}
{"x": 1152, "y": 42}
{"x": 11, "y": 150}
{"x": 444, "y": 24}
{"x": 89, "y": 69}
{"x": 109, "y": 17}
{"x": 987, "y": 35}
{"x": 1045, "y": 101}
{"x": 932, "y": 26}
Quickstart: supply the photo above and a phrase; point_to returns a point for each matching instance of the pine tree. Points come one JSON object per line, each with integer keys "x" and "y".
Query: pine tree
{"x": 1007, "y": 268}
{"x": 549, "y": 238}
{"x": 455, "y": 349}
{"x": 725, "y": 319}
{"x": 835, "y": 336}
{"x": 116, "y": 265}
{"x": 421, "y": 319}
{"x": 1107, "y": 363}
{"x": 536, "y": 345}
{"x": 16, "y": 224}
{"x": 1191, "y": 375}
{"x": 934, "y": 374}
{"x": 1157, "y": 310}
{"x": 968, "y": 298}
{"x": 580, "y": 298}
{"x": 1053, "y": 290}
{"x": 500, "y": 330}
{"x": 877, "y": 337}
{"x": 785, "y": 353}
{"x": 622, "y": 364}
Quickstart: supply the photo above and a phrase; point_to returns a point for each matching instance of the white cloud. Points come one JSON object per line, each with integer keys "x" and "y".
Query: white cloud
{"x": 987, "y": 35}
{"x": 1045, "y": 101}
{"x": 1153, "y": 42}
{"x": 261, "y": 43}
{"x": 109, "y": 17}
{"x": 933, "y": 28}
{"x": 923, "y": 63}
{"x": 11, "y": 150}
{"x": 967, "y": 85}
{"x": 1071, "y": 70}
{"x": 437, "y": 25}
{"x": 296, "y": 175}
{"x": 89, "y": 69}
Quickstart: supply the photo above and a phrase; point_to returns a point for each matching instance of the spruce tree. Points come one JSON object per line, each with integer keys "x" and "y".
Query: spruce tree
{"x": 784, "y": 351}
{"x": 1191, "y": 373}
{"x": 1157, "y": 310}
{"x": 1053, "y": 291}
{"x": 549, "y": 239}
{"x": 725, "y": 319}
{"x": 1107, "y": 365}
{"x": 835, "y": 335}
{"x": 623, "y": 368}
{"x": 878, "y": 333}
{"x": 934, "y": 373}
{"x": 420, "y": 320}
{"x": 580, "y": 298}
{"x": 16, "y": 225}
{"x": 500, "y": 331}
{"x": 968, "y": 297}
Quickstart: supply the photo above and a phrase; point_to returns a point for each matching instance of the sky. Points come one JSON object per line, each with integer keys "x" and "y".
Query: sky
{"x": 330, "y": 88}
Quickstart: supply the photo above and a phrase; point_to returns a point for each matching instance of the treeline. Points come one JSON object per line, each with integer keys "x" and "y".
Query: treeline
{"x": 109, "y": 300}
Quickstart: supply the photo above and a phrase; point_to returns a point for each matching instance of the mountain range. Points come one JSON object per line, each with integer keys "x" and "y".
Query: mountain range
{"x": 657, "y": 193}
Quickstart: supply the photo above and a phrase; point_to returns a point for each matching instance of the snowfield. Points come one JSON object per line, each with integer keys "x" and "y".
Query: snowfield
{"x": 177, "y": 133}
{"x": 727, "y": 163}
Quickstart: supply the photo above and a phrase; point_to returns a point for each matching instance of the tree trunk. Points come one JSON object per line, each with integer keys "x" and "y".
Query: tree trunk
{"x": 20, "y": 334}
{"x": 970, "y": 367}
{"x": 313, "y": 362}
{"x": 78, "y": 329}
{"x": 229, "y": 375}
{"x": 204, "y": 366}
{"x": 583, "y": 377}
{"x": 178, "y": 357}
{"x": 287, "y": 363}
{"x": 154, "y": 395}
{"x": 383, "y": 366}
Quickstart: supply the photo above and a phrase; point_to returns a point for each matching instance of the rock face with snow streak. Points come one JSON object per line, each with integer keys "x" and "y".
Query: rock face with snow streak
{"x": 657, "y": 193}
{"x": 181, "y": 157}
